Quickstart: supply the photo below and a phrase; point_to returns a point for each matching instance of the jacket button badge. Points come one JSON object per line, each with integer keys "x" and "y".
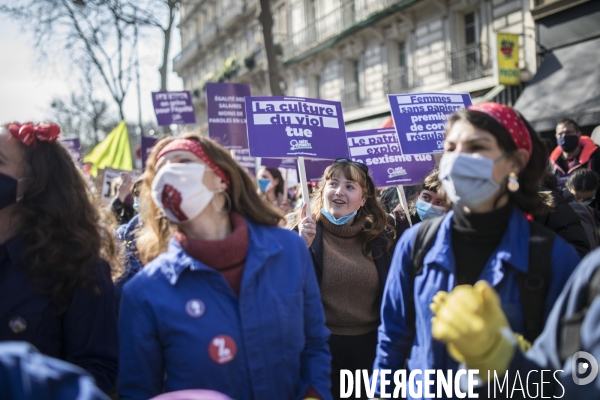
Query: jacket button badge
{"x": 17, "y": 324}
{"x": 195, "y": 308}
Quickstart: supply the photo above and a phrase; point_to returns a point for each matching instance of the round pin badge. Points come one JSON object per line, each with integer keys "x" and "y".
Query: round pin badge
{"x": 195, "y": 308}
{"x": 222, "y": 349}
{"x": 17, "y": 324}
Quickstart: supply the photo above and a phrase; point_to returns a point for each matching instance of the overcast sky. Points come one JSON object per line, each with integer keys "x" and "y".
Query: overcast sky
{"x": 27, "y": 85}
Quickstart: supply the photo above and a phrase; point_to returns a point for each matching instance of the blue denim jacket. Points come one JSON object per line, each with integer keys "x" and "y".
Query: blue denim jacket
{"x": 178, "y": 316}
{"x": 399, "y": 342}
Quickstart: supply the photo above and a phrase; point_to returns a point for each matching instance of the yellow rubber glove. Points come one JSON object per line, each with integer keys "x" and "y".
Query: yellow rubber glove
{"x": 471, "y": 322}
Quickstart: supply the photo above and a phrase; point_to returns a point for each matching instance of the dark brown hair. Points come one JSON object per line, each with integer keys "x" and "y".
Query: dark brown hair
{"x": 153, "y": 237}
{"x": 64, "y": 231}
{"x": 276, "y": 174}
{"x": 571, "y": 121}
{"x": 527, "y": 197}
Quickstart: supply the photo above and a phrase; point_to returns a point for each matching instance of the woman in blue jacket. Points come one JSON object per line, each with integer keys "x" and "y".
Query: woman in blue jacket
{"x": 56, "y": 290}
{"x": 226, "y": 300}
{"x": 490, "y": 171}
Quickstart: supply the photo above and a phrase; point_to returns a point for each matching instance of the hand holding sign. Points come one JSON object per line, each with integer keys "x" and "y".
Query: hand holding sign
{"x": 307, "y": 228}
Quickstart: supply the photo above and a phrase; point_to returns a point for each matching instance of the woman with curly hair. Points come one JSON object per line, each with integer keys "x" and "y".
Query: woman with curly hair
{"x": 226, "y": 301}
{"x": 349, "y": 239}
{"x": 56, "y": 290}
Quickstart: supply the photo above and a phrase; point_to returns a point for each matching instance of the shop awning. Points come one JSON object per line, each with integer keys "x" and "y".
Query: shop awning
{"x": 567, "y": 84}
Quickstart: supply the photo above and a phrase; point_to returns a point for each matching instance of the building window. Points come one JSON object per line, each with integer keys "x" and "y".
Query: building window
{"x": 469, "y": 55}
{"x": 315, "y": 86}
{"x": 351, "y": 94}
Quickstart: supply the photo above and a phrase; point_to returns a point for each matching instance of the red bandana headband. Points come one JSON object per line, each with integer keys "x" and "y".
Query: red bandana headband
{"x": 30, "y": 134}
{"x": 508, "y": 118}
{"x": 197, "y": 149}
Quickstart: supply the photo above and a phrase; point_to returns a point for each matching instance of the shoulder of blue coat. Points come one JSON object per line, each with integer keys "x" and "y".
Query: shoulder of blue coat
{"x": 150, "y": 274}
{"x": 282, "y": 236}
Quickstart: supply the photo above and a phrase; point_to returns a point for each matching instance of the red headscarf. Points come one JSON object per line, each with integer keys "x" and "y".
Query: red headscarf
{"x": 196, "y": 148}
{"x": 508, "y": 118}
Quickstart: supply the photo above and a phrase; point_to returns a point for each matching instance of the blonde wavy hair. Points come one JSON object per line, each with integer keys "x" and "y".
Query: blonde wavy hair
{"x": 153, "y": 238}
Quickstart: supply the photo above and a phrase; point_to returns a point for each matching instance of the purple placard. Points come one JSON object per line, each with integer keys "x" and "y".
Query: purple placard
{"x": 173, "y": 108}
{"x": 283, "y": 127}
{"x": 227, "y": 114}
{"x": 245, "y": 160}
{"x": 288, "y": 163}
{"x": 147, "y": 144}
{"x": 379, "y": 150}
{"x": 74, "y": 147}
{"x": 315, "y": 169}
{"x": 420, "y": 119}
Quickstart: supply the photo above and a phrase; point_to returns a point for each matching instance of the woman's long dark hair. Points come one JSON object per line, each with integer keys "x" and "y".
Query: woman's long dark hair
{"x": 527, "y": 197}
{"x": 276, "y": 174}
{"x": 64, "y": 232}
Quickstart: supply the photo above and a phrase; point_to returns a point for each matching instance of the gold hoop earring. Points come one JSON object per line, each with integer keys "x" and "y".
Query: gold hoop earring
{"x": 513, "y": 182}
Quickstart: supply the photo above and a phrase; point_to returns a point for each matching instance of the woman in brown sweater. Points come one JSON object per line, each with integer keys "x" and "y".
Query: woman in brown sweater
{"x": 349, "y": 239}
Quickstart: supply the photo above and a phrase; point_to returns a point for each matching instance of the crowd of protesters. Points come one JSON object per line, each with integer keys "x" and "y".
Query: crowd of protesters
{"x": 200, "y": 281}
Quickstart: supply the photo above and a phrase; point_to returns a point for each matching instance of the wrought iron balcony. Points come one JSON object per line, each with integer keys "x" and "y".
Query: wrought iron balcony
{"x": 398, "y": 80}
{"x": 329, "y": 25}
{"x": 469, "y": 62}
{"x": 188, "y": 52}
{"x": 351, "y": 98}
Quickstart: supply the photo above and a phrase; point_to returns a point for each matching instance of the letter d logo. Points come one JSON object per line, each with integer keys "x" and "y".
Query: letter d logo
{"x": 580, "y": 368}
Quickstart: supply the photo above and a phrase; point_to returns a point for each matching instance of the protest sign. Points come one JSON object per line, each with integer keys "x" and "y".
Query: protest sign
{"x": 227, "y": 114}
{"x": 247, "y": 162}
{"x": 379, "y": 150}
{"x": 288, "y": 163}
{"x": 420, "y": 119}
{"x": 109, "y": 182}
{"x": 283, "y": 127}
{"x": 147, "y": 144}
{"x": 315, "y": 169}
{"x": 173, "y": 108}
{"x": 74, "y": 147}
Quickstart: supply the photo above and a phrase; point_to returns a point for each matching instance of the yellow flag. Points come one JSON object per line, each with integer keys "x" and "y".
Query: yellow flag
{"x": 113, "y": 152}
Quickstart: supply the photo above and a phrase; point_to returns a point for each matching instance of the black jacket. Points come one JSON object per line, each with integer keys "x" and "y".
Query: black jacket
{"x": 381, "y": 256}
{"x": 565, "y": 223}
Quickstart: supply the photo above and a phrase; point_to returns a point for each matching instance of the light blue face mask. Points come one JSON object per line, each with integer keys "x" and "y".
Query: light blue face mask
{"x": 338, "y": 221}
{"x": 427, "y": 211}
{"x": 468, "y": 180}
{"x": 263, "y": 185}
{"x": 136, "y": 204}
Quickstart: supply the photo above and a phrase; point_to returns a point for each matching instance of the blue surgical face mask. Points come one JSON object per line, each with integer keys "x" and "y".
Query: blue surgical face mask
{"x": 568, "y": 143}
{"x": 136, "y": 204}
{"x": 338, "y": 221}
{"x": 588, "y": 202}
{"x": 264, "y": 185}
{"x": 468, "y": 180}
{"x": 427, "y": 211}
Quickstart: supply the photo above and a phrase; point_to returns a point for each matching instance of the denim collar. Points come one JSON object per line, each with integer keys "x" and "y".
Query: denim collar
{"x": 262, "y": 244}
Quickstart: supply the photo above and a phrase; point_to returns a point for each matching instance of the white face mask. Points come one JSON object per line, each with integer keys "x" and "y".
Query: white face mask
{"x": 178, "y": 190}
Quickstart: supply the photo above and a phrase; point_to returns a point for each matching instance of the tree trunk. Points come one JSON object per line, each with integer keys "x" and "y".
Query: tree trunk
{"x": 164, "y": 70}
{"x": 266, "y": 20}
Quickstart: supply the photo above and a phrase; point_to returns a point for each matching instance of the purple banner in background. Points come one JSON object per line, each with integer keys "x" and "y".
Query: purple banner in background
{"x": 227, "y": 114}
{"x": 74, "y": 147}
{"x": 315, "y": 169}
{"x": 173, "y": 108}
{"x": 147, "y": 144}
{"x": 379, "y": 150}
{"x": 288, "y": 163}
{"x": 420, "y": 119}
{"x": 247, "y": 162}
{"x": 283, "y": 127}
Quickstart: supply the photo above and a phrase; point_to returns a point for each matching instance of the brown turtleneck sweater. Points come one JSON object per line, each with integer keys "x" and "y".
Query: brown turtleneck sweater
{"x": 227, "y": 256}
{"x": 350, "y": 284}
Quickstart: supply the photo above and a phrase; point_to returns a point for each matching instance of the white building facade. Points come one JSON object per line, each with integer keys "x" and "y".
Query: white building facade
{"x": 358, "y": 51}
